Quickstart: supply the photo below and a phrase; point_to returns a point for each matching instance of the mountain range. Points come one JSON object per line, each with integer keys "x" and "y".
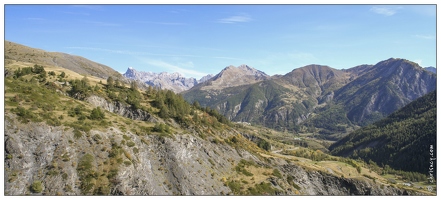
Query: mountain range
{"x": 316, "y": 98}
{"x": 170, "y": 81}
{"x": 229, "y": 77}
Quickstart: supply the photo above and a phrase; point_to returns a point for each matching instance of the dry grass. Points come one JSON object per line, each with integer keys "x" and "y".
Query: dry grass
{"x": 260, "y": 174}
{"x": 70, "y": 75}
{"x": 14, "y": 51}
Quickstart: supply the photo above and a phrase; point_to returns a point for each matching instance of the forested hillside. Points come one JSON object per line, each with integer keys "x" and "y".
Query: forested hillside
{"x": 402, "y": 140}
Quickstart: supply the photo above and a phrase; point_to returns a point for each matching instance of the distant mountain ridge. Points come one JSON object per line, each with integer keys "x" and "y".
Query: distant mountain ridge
{"x": 388, "y": 86}
{"x": 170, "y": 81}
{"x": 318, "y": 98}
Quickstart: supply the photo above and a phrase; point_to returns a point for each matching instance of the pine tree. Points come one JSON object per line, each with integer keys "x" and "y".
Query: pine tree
{"x": 110, "y": 82}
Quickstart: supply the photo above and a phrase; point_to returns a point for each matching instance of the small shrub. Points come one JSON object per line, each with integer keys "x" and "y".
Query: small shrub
{"x": 240, "y": 168}
{"x": 96, "y": 114}
{"x": 125, "y": 137}
{"x": 96, "y": 137}
{"x": 103, "y": 190}
{"x": 130, "y": 144}
{"x": 262, "y": 189}
{"x": 234, "y": 186}
{"x": 215, "y": 141}
{"x": 161, "y": 128}
{"x": 37, "y": 187}
{"x": 234, "y": 139}
{"x": 25, "y": 115}
{"x": 290, "y": 180}
{"x": 264, "y": 145}
{"x": 52, "y": 172}
{"x": 211, "y": 162}
{"x": 276, "y": 173}
{"x": 77, "y": 134}
{"x": 127, "y": 163}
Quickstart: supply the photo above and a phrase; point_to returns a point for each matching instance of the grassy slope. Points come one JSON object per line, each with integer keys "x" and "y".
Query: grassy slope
{"x": 83, "y": 66}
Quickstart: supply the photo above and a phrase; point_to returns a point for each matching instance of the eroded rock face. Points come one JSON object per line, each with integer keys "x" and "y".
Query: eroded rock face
{"x": 121, "y": 109}
{"x": 319, "y": 183}
{"x": 180, "y": 164}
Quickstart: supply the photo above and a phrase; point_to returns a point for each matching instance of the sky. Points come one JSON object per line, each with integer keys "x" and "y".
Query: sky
{"x": 196, "y": 40}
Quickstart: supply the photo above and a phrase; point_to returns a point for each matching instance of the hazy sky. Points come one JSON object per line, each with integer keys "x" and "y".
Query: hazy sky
{"x": 196, "y": 40}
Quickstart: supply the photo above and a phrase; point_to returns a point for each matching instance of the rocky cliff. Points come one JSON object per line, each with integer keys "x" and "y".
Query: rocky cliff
{"x": 152, "y": 165}
{"x": 121, "y": 109}
{"x": 115, "y": 162}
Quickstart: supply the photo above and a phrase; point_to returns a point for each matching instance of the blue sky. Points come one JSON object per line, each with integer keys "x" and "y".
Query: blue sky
{"x": 196, "y": 40}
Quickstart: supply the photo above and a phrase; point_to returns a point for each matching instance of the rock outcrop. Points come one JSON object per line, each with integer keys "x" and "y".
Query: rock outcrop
{"x": 121, "y": 109}
{"x": 182, "y": 165}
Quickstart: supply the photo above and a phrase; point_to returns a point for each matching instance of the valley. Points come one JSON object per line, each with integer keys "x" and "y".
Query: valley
{"x": 69, "y": 131}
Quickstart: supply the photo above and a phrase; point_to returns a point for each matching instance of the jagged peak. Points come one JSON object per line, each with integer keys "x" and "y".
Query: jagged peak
{"x": 130, "y": 70}
{"x": 245, "y": 67}
{"x": 206, "y": 78}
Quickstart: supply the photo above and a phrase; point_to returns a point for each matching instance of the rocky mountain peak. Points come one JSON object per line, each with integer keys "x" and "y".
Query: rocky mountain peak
{"x": 130, "y": 72}
{"x": 315, "y": 76}
{"x": 164, "y": 80}
{"x": 234, "y": 76}
{"x": 245, "y": 67}
{"x": 206, "y": 78}
{"x": 243, "y": 70}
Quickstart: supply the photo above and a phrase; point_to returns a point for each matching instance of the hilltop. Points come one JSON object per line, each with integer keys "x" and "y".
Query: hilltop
{"x": 17, "y": 52}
